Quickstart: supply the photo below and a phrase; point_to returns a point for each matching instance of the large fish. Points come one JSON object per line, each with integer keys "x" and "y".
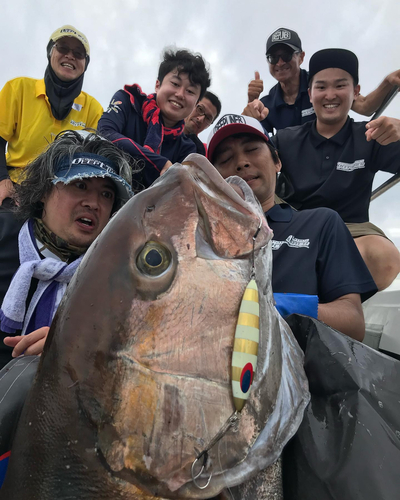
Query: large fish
{"x": 135, "y": 378}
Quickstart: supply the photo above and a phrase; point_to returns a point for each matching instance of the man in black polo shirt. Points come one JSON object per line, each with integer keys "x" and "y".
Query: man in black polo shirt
{"x": 288, "y": 103}
{"x": 331, "y": 162}
{"x": 317, "y": 269}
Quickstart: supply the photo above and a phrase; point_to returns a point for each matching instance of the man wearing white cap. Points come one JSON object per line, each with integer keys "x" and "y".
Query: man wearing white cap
{"x": 67, "y": 198}
{"x": 317, "y": 269}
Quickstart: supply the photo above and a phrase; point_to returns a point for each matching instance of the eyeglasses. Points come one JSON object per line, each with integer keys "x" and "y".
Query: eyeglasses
{"x": 64, "y": 50}
{"x": 285, "y": 56}
{"x": 202, "y": 112}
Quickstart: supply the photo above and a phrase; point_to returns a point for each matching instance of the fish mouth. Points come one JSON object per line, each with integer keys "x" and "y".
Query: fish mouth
{"x": 225, "y": 208}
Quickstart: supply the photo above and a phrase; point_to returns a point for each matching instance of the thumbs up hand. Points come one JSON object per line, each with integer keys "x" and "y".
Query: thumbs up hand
{"x": 255, "y": 88}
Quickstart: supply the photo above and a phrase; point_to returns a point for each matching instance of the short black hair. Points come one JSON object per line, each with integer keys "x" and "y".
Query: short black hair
{"x": 214, "y": 101}
{"x": 186, "y": 62}
{"x": 39, "y": 174}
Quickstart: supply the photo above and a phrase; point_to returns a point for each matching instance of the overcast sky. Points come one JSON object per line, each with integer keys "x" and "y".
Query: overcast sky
{"x": 127, "y": 38}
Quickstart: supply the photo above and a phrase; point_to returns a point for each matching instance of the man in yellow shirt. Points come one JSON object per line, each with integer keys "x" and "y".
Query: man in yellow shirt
{"x": 33, "y": 112}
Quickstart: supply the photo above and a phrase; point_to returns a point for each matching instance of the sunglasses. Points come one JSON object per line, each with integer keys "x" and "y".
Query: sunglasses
{"x": 285, "y": 56}
{"x": 202, "y": 112}
{"x": 64, "y": 50}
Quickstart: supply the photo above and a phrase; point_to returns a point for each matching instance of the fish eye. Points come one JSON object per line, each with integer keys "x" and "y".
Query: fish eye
{"x": 153, "y": 259}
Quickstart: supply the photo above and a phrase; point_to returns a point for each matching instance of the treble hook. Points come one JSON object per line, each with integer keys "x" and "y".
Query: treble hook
{"x": 195, "y": 477}
{"x": 232, "y": 420}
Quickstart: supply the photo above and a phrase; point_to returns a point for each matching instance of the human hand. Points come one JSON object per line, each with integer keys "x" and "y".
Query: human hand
{"x": 394, "y": 78}
{"x": 256, "y": 109}
{"x": 6, "y": 190}
{"x": 255, "y": 87}
{"x": 30, "y": 344}
{"x": 384, "y": 130}
{"x": 166, "y": 167}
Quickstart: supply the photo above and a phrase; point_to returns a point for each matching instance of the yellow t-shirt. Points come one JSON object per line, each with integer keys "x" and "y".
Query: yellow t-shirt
{"x": 28, "y": 126}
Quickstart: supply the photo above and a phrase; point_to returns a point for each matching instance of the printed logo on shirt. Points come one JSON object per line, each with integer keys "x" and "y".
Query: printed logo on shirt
{"x": 227, "y": 119}
{"x": 291, "y": 242}
{"x": 307, "y": 112}
{"x": 114, "y": 106}
{"x": 78, "y": 124}
{"x": 281, "y": 35}
{"x": 76, "y": 107}
{"x": 349, "y": 167}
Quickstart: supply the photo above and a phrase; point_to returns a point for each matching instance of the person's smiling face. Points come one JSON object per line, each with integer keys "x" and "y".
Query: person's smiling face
{"x": 63, "y": 58}
{"x": 249, "y": 157}
{"x": 79, "y": 211}
{"x": 332, "y": 93}
{"x": 285, "y": 71}
{"x": 176, "y": 97}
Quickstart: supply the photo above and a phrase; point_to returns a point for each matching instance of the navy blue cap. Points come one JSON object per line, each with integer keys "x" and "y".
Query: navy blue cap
{"x": 88, "y": 165}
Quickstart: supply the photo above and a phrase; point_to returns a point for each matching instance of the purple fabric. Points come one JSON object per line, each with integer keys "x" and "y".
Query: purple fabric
{"x": 43, "y": 313}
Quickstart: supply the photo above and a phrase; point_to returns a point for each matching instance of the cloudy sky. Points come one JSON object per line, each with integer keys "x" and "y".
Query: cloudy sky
{"x": 127, "y": 38}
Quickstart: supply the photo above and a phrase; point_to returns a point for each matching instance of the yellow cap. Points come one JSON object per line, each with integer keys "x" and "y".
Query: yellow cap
{"x": 69, "y": 30}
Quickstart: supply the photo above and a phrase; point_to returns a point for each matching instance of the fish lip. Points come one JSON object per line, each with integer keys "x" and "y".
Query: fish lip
{"x": 242, "y": 205}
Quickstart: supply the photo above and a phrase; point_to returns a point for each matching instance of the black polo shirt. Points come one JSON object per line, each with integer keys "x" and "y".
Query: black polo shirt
{"x": 281, "y": 114}
{"x": 314, "y": 254}
{"x": 336, "y": 173}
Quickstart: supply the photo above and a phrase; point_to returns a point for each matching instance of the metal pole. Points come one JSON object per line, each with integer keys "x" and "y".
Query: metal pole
{"x": 396, "y": 177}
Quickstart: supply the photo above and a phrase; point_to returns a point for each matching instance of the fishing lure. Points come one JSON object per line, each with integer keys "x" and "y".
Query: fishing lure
{"x": 245, "y": 348}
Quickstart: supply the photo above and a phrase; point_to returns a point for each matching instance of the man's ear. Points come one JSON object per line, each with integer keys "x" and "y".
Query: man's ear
{"x": 357, "y": 89}
{"x": 301, "y": 57}
{"x": 158, "y": 85}
{"x": 309, "y": 94}
{"x": 278, "y": 166}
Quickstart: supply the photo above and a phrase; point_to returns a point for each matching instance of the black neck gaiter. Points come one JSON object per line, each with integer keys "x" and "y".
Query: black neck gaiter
{"x": 61, "y": 94}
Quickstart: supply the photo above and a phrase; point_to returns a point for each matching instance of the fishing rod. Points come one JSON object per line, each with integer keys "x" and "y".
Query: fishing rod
{"x": 396, "y": 177}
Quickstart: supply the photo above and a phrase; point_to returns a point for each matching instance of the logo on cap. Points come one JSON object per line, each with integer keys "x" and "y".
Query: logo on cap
{"x": 69, "y": 30}
{"x": 93, "y": 162}
{"x": 281, "y": 35}
{"x": 228, "y": 119}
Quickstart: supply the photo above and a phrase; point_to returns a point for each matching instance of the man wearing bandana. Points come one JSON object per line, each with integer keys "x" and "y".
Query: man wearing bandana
{"x": 150, "y": 127}
{"x": 68, "y": 196}
{"x": 32, "y": 113}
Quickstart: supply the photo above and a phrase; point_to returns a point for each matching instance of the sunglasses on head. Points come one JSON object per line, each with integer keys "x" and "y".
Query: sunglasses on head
{"x": 285, "y": 56}
{"x": 64, "y": 50}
